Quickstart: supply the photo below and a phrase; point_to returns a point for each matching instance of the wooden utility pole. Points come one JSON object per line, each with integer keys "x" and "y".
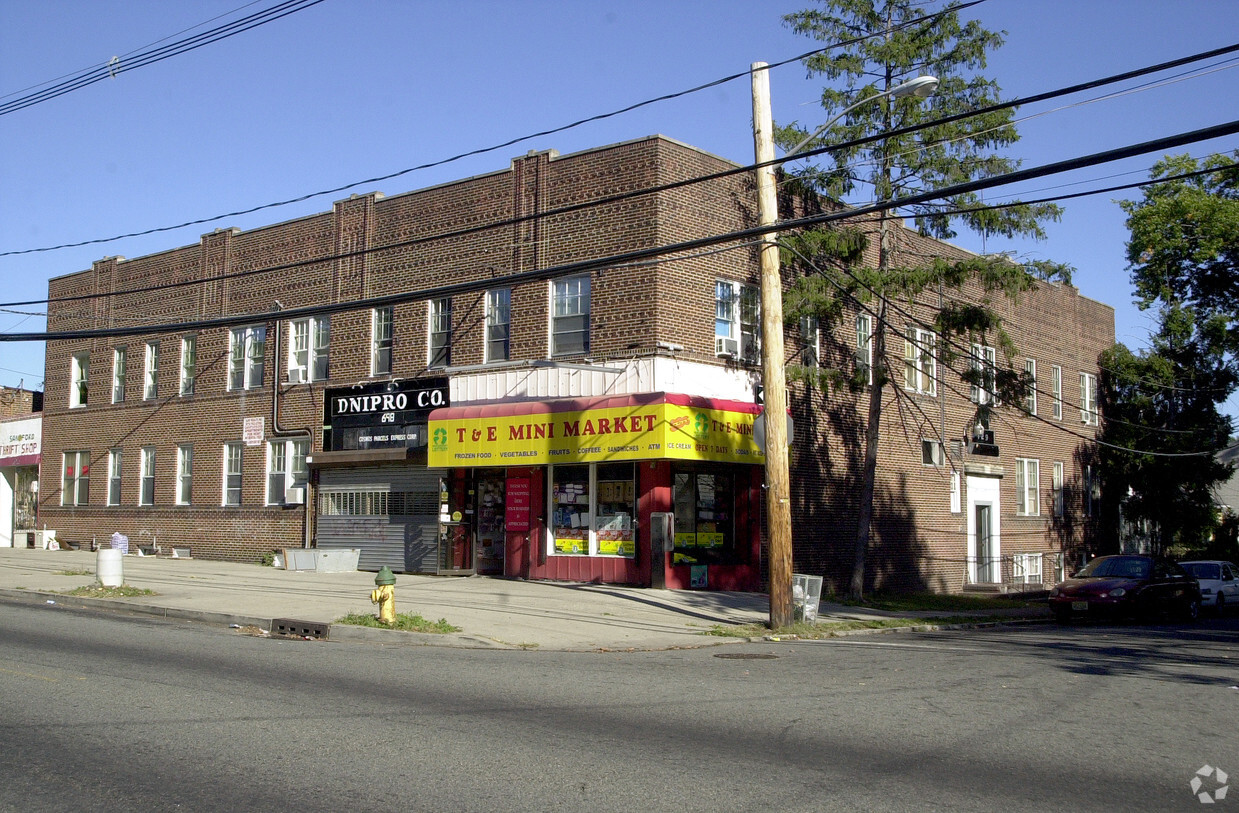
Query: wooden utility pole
{"x": 774, "y": 382}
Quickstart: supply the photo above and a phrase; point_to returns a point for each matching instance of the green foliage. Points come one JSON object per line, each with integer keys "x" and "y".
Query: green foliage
{"x": 98, "y": 591}
{"x": 267, "y": 559}
{"x": 409, "y": 622}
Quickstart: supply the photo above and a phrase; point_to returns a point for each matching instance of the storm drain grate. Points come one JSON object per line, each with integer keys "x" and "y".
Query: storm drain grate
{"x": 293, "y": 628}
{"x": 746, "y": 656}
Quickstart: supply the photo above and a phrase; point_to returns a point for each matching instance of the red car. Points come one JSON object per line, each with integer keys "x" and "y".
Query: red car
{"x": 1134, "y": 585}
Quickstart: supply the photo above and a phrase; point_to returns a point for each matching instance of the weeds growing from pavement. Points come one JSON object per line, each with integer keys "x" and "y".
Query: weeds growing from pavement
{"x": 410, "y": 622}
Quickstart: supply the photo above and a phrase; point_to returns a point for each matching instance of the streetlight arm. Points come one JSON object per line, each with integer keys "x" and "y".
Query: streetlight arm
{"x": 921, "y": 87}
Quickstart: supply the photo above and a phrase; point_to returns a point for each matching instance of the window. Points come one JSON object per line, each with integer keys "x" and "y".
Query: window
{"x": 983, "y": 362}
{"x": 189, "y": 364}
{"x": 309, "y": 346}
{"x": 956, "y": 502}
{"x": 150, "y": 388}
{"x": 1092, "y": 491}
{"x": 593, "y": 510}
{"x": 570, "y": 316}
{"x": 498, "y": 324}
{"x": 932, "y": 453}
{"x": 119, "y": 373}
{"x": 864, "y": 347}
{"x": 1088, "y": 399}
{"x": 1056, "y": 488}
{"x": 247, "y": 354}
{"x": 919, "y": 367}
{"x": 79, "y": 386}
{"x": 705, "y": 512}
{"x": 737, "y": 320}
{"x": 1027, "y": 487}
{"x": 1056, "y": 387}
{"x": 811, "y": 339}
{"x": 1026, "y": 568}
{"x": 440, "y": 343}
{"x": 287, "y": 473}
{"x": 114, "y": 477}
{"x": 184, "y": 474}
{"x": 75, "y": 487}
{"x": 380, "y": 341}
{"x": 1030, "y": 400}
{"x": 232, "y": 473}
{"x": 147, "y": 494}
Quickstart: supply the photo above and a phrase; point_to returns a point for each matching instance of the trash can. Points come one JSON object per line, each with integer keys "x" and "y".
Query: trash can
{"x": 806, "y": 595}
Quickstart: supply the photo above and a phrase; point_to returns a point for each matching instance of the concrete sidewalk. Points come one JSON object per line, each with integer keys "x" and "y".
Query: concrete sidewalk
{"x": 491, "y": 612}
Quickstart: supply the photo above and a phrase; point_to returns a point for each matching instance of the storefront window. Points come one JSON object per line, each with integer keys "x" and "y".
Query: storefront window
{"x": 704, "y": 517}
{"x": 593, "y": 510}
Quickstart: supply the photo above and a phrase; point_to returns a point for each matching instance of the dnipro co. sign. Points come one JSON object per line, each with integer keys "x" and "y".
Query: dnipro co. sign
{"x": 591, "y": 430}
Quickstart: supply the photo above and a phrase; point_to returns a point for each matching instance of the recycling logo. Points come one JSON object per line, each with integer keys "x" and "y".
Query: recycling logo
{"x": 701, "y": 426}
{"x": 440, "y": 438}
{"x": 1218, "y": 782}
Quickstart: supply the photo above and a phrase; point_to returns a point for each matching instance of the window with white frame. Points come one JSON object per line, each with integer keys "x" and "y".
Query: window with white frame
{"x": 1056, "y": 488}
{"x": 1088, "y": 399}
{"x": 146, "y": 492}
{"x": 1027, "y": 487}
{"x": 570, "y": 304}
{"x": 309, "y": 349}
{"x": 932, "y": 453}
{"x": 232, "y": 473}
{"x": 864, "y": 346}
{"x": 75, "y": 485}
{"x": 919, "y": 365}
{"x": 1092, "y": 491}
{"x": 956, "y": 501}
{"x": 287, "y": 473}
{"x": 120, "y": 374}
{"x": 381, "y": 341}
{"x": 1056, "y": 389}
{"x": 593, "y": 510}
{"x": 247, "y": 355}
{"x": 1026, "y": 568}
{"x": 150, "y": 386}
{"x": 498, "y": 324}
{"x": 184, "y": 474}
{"x": 114, "y": 470}
{"x": 1030, "y": 400}
{"x": 984, "y": 363}
{"x": 811, "y": 338}
{"x": 79, "y": 385}
{"x": 737, "y": 320}
{"x": 439, "y": 320}
{"x": 189, "y": 364}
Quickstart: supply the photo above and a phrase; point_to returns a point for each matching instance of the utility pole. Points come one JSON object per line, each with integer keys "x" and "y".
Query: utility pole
{"x": 774, "y": 382}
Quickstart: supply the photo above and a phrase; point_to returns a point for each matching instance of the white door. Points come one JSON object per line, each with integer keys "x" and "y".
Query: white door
{"x": 984, "y": 543}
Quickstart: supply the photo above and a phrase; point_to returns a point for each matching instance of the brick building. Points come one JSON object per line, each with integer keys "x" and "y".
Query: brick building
{"x": 20, "y": 433}
{"x": 449, "y": 381}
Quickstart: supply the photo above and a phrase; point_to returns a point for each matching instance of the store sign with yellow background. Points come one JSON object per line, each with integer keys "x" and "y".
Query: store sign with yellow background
{"x": 461, "y": 436}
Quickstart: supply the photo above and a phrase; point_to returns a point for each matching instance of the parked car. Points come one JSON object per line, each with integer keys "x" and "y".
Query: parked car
{"x": 1219, "y": 582}
{"x": 1127, "y": 585}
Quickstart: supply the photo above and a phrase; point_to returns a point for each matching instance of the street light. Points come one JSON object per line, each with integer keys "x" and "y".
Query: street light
{"x": 778, "y": 489}
{"x": 921, "y": 87}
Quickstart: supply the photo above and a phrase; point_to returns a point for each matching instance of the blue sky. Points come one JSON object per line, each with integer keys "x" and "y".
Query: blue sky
{"x": 353, "y": 89}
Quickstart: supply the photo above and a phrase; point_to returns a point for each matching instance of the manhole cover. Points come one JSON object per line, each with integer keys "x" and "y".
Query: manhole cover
{"x": 745, "y": 656}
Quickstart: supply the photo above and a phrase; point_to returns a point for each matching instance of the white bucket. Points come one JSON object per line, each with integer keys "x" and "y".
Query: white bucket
{"x": 109, "y": 567}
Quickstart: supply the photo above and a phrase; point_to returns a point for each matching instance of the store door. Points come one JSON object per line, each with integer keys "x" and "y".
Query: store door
{"x": 490, "y": 521}
{"x": 457, "y": 498}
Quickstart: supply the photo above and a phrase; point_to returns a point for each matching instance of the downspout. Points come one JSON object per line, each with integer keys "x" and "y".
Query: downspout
{"x": 276, "y": 431}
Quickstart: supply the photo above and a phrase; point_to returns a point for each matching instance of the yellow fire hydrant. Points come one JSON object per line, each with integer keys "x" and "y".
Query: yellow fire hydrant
{"x": 385, "y": 595}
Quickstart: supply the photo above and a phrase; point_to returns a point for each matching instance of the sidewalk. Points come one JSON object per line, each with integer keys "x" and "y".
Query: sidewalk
{"x": 491, "y": 612}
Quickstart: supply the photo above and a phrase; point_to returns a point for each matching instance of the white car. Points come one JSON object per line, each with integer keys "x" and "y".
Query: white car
{"x": 1219, "y": 582}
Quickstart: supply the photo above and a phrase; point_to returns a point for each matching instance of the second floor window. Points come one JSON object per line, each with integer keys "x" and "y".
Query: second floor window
{"x": 309, "y": 348}
{"x": 920, "y": 372}
{"x": 150, "y": 387}
{"x": 380, "y": 341}
{"x": 247, "y": 354}
{"x": 864, "y": 347}
{"x": 811, "y": 338}
{"x": 120, "y": 373}
{"x": 737, "y": 320}
{"x": 1088, "y": 399}
{"x": 1056, "y": 390}
{"x": 984, "y": 361}
{"x": 440, "y": 340}
{"x": 1030, "y": 400}
{"x": 189, "y": 364}
{"x": 570, "y": 316}
{"x": 80, "y": 384}
{"x": 498, "y": 324}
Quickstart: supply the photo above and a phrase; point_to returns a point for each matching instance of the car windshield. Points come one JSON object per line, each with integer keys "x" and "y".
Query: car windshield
{"x": 1116, "y": 567}
{"x": 1204, "y": 570}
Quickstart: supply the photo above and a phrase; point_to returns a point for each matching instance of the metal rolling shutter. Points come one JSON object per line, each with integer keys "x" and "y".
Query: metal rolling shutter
{"x": 390, "y": 513}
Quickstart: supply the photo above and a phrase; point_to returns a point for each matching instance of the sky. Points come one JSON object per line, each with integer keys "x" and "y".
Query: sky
{"x": 348, "y": 90}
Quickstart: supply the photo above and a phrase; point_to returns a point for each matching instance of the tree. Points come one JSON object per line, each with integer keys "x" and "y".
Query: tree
{"x": 1165, "y": 402}
{"x": 887, "y": 42}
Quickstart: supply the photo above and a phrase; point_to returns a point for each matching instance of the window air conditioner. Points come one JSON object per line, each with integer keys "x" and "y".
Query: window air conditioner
{"x": 296, "y": 375}
{"x": 294, "y": 496}
{"x": 726, "y": 346}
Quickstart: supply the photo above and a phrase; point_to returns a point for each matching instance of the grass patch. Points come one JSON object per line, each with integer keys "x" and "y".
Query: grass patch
{"x": 931, "y": 602}
{"x": 98, "y": 591}
{"x": 74, "y": 573}
{"x": 410, "y": 622}
{"x": 826, "y": 629}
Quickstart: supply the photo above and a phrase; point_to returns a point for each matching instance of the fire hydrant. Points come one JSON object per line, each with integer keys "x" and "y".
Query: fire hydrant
{"x": 385, "y": 595}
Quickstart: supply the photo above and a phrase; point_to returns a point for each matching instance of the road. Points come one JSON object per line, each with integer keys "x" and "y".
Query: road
{"x": 115, "y": 713}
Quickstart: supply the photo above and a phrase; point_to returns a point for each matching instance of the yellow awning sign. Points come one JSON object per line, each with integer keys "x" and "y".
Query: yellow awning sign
{"x": 658, "y": 426}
